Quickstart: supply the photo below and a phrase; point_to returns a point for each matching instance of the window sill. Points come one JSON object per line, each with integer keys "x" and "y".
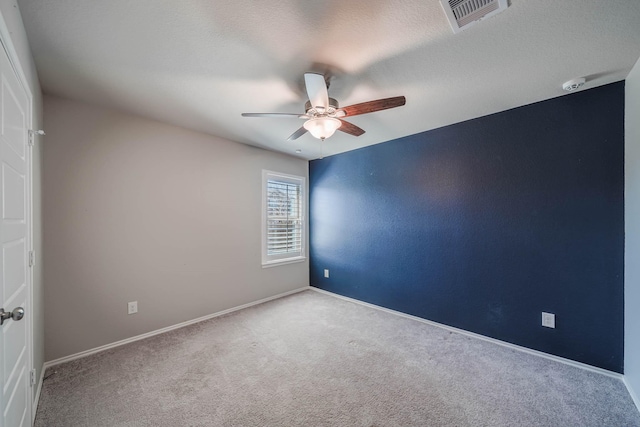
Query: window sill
{"x": 276, "y": 263}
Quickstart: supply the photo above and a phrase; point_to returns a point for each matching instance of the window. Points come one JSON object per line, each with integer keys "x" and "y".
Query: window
{"x": 282, "y": 218}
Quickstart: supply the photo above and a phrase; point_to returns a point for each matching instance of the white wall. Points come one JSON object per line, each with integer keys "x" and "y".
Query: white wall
{"x": 12, "y": 23}
{"x": 632, "y": 233}
{"x": 139, "y": 210}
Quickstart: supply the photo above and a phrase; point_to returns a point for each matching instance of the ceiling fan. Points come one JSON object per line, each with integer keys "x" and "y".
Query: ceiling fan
{"x": 323, "y": 115}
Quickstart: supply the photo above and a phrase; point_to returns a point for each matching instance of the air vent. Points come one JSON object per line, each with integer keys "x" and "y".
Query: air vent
{"x": 463, "y": 14}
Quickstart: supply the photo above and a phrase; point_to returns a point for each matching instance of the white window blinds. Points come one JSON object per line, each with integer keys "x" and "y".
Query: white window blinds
{"x": 283, "y": 226}
{"x": 284, "y": 222}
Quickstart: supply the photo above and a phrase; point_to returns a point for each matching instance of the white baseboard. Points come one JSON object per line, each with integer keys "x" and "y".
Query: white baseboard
{"x": 163, "y": 330}
{"x": 36, "y": 399}
{"x": 632, "y": 393}
{"x": 559, "y": 359}
{"x": 481, "y": 337}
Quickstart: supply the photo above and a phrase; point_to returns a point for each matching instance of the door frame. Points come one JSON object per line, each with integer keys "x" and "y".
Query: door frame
{"x": 6, "y": 44}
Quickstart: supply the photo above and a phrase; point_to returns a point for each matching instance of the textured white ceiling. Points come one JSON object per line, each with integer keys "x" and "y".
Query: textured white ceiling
{"x": 201, "y": 63}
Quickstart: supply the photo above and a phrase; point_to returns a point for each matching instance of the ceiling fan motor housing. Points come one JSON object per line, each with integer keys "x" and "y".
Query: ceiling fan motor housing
{"x": 333, "y": 107}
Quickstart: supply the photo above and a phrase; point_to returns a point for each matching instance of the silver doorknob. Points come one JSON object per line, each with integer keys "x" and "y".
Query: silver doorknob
{"x": 16, "y": 314}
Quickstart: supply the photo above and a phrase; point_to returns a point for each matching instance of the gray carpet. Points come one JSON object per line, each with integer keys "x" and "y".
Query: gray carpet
{"x": 315, "y": 360}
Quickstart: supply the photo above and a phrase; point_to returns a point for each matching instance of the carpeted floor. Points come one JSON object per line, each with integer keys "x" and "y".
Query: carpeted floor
{"x": 311, "y": 359}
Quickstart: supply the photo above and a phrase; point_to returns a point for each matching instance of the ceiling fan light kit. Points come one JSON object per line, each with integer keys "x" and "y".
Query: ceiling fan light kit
{"x": 322, "y": 127}
{"x": 323, "y": 115}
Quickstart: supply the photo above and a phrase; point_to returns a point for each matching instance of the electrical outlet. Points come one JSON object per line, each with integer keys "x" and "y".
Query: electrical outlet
{"x": 326, "y": 273}
{"x": 132, "y": 307}
{"x": 548, "y": 320}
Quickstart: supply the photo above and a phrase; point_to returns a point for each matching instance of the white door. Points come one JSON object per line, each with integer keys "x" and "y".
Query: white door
{"x": 15, "y": 345}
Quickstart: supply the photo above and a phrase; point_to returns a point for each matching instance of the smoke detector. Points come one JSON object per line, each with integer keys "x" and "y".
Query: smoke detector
{"x": 463, "y": 14}
{"x": 574, "y": 84}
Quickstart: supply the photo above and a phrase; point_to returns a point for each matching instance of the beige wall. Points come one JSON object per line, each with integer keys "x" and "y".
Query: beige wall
{"x": 138, "y": 210}
{"x": 632, "y": 233}
{"x": 12, "y": 21}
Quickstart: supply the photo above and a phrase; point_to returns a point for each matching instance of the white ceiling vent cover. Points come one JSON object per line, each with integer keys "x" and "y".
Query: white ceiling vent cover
{"x": 463, "y": 14}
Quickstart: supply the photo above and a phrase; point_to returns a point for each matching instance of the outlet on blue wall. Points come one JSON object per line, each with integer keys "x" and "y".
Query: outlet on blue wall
{"x": 485, "y": 224}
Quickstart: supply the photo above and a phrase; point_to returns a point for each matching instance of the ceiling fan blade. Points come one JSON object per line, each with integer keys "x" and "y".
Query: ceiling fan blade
{"x": 297, "y": 134}
{"x": 350, "y": 128}
{"x": 317, "y": 90}
{"x": 371, "y": 106}
{"x": 279, "y": 115}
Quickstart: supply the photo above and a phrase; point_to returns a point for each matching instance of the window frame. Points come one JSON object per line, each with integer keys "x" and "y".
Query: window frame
{"x": 288, "y": 258}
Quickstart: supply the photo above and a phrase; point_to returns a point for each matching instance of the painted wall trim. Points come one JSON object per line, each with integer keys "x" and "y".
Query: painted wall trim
{"x": 484, "y": 338}
{"x": 102, "y": 348}
{"x": 632, "y": 393}
{"x": 573, "y": 363}
{"x": 36, "y": 398}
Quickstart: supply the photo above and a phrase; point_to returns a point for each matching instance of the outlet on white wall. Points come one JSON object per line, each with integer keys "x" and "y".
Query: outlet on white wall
{"x": 132, "y": 307}
{"x": 548, "y": 320}
{"x": 326, "y": 273}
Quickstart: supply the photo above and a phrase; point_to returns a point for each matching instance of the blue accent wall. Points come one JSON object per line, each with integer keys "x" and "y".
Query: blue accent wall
{"x": 484, "y": 224}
